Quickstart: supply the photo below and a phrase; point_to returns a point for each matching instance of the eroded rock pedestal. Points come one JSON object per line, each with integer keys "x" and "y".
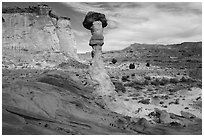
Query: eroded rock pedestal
{"x": 96, "y": 22}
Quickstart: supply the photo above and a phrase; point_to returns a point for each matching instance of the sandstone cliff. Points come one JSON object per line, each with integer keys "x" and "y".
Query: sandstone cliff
{"x": 24, "y": 35}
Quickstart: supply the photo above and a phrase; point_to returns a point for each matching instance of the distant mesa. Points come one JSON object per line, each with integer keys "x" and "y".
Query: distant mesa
{"x": 37, "y": 29}
{"x": 40, "y": 9}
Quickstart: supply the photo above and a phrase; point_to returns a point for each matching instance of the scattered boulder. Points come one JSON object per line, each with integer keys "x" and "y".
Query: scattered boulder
{"x": 139, "y": 125}
{"x": 144, "y": 101}
{"x": 164, "y": 116}
{"x": 143, "y": 122}
{"x": 114, "y": 60}
{"x": 119, "y": 87}
{"x": 187, "y": 115}
{"x": 175, "y": 124}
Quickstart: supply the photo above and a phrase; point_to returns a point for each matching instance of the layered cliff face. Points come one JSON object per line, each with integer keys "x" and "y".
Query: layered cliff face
{"x": 29, "y": 36}
{"x": 66, "y": 38}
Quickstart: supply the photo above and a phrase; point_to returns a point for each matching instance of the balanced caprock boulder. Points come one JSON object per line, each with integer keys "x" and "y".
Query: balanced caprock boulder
{"x": 95, "y": 22}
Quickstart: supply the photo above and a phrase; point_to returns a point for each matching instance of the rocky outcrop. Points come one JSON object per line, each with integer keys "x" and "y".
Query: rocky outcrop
{"x": 96, "y": 22}
{"x": 36, "y": 32}
{"x": 187, "y": 115}
{"x": 66, "y": 38}
{"x": 164, "y": 116}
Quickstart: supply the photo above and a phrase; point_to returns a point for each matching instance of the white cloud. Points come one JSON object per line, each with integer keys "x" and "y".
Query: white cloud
{"x": 161, "y": 23}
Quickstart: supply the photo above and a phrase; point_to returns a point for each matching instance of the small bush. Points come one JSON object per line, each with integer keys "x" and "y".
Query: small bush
{"x": 155, "y": 82}
{"x": 150, "y": 89}
{"x": 134, "y": 84}
{"x": 175, "y": 89}
{"x": 137, "y": 84}
{"x": 176, "y": 101}
{"x": 114, "y": 60}
{"x": 164, "y": 81}
{"x": 132, "y": 66}
{"x": 174, "y": 80}
{"x": 186, "y": 79}
{"x": 186, "y": 108}
{"x": 144, "y": 101}
{"x": 148, "y": 65}
{"x": 147, "y": 77}
{"x": 146, "y": 82}
{"x": 119, "y": 87}
{"x": 161, "y": 102}
{"x": 38, "y": 64}
{"x": 125, "y": 78}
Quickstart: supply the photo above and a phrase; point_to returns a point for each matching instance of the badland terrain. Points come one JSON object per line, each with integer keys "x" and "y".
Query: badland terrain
{"x": 47, "y": 87}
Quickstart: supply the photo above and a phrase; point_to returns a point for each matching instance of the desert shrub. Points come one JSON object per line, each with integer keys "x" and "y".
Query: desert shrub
{"x": 114, "y": 61}
{"x": 150, "y": 89}
{"x": 155, "y": 82}
{"x": 148, "y": 64}
{"x": 187, "y": 80}
{"x": 144, "y": 101}
{"x": 174, "y": 80}
{"x": 158, "y": 81}
{"x": 183, "y": 79}
{"x": 38, "y": 64}
{"x": 147, "y": 77}
{"x": 125, "y": 78}
{"x": 137, "y": 84}
{"x": 132, "y": 66}
{"x": 176, "y": 101}
{"x": 161, "y": 102}
{"x": 175, "y": 124}
{"x": 119, "y": 86}
{"x": 176, "y": 88}
{"x": 146, "y": 82}
{"x": 199, "y": 84}
{"x": 133, "y": 85}
{"x": 164, "y": 81}
{"x": 172, "y": 90}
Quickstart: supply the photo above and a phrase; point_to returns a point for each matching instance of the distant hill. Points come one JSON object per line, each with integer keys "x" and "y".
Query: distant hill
{"x": 186, "y": 55}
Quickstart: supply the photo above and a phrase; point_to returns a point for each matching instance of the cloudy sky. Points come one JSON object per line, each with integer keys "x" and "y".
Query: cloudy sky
{"x": 136, "y": 22}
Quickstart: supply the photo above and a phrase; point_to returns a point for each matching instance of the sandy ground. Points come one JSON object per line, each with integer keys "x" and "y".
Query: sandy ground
{"x": 77, "y": 112}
